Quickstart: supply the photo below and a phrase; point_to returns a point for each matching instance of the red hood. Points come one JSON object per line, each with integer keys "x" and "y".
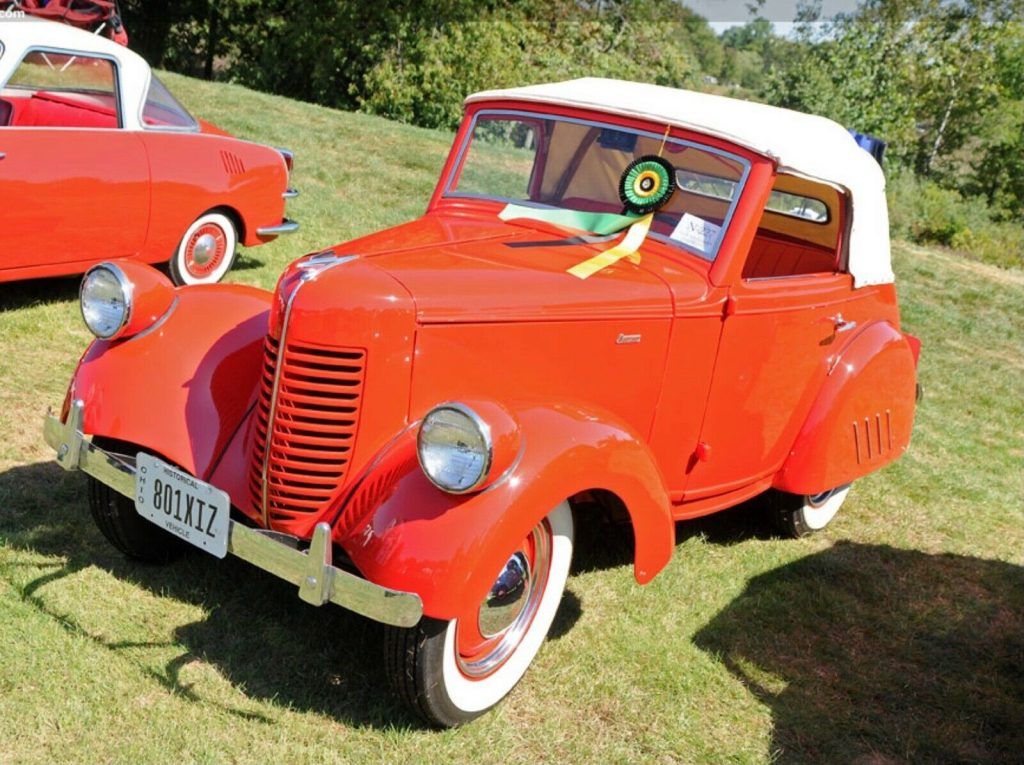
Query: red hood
{"x": 469, "y": 269}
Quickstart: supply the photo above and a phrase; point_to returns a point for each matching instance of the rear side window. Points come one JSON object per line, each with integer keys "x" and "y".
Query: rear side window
{"x": 53, "y": 89}
{"x": 799, "y": 232}
{"x": 162, "y": 110}
{"x": 797, "y": 206}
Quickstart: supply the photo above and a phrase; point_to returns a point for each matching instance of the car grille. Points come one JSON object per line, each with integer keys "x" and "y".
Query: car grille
{"x": 313, "y": 432}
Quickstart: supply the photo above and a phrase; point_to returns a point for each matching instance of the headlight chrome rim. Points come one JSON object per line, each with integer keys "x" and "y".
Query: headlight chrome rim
{"x": 126, "y": 291}
{"x": 485, "y": 433}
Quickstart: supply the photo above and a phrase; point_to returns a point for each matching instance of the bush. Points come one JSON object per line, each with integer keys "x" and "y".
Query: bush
{"x": 924, "y": 212}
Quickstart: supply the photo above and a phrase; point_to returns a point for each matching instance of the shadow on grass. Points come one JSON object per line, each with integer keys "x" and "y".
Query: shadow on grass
{"x": 871, "y": 654}
{"x": 607, "y": 544}
{"x": 22, "y": 294}
{"x": 16, "y": 295}
{"x": 258, "y": 634}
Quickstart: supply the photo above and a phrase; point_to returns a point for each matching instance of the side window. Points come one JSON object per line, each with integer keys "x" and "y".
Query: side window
{"x": 162, "y": 110}
{"x": 52, "y": 89}
{"x": 800, "y": 231}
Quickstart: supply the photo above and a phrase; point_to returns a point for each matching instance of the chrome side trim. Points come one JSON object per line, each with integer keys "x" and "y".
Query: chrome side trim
{"x": 159, "y": 322}
{"x": 284, "y": 227}
{"x": 290, "y": 193}
{"x": 272, "y": 410}
{"x": 311, "y": 571}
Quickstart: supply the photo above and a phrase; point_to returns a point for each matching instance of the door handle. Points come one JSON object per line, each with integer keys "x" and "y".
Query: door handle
{"x": 2, "y": 155}
{"x": 839, "y": 324}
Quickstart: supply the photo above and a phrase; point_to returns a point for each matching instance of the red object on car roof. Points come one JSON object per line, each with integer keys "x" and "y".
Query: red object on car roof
{"x": 98, "y": 16}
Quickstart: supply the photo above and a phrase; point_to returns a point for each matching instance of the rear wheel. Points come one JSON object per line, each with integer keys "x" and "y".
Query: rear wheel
{"x": 206, "y": 251}
{"x": 798, "y": 515}
{"x": 128, "y": 531}
{"x": 449, "y": 672}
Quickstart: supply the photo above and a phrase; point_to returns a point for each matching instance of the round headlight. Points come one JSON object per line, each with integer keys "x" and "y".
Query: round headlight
{"x": 454, "y": 447}
{"x": 106, "y": 298}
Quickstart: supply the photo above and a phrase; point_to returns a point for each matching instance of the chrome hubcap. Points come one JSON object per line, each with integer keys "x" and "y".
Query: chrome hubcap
{"x": 204, "y": 249}
{"x": 506, "y": 613}
{"x": 507, "y": 597}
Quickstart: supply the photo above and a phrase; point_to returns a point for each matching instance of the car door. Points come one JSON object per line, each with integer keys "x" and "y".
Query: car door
{"x": 785, "y": 318}
{"x": 75, "y": 185}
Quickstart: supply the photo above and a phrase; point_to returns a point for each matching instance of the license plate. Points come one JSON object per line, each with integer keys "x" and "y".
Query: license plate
{"x": 182, "y": 504}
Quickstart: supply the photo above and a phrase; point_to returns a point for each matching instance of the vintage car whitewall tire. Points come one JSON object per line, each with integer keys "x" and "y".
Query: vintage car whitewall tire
{"x": 128, "y": 531}
{"x": 206, "y": 252}
{"x": 798, "y": 515}
{"x": 445, "y": 688}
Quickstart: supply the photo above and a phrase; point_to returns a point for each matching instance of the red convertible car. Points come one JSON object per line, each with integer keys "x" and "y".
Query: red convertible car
{"x": 99, "y": 161}
{"x": 622, "y": 299}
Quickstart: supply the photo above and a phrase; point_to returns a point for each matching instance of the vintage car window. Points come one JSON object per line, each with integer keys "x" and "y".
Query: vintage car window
{"x": 805, "y": 208}
{"x": 799, "y": 232}
{"x": 551, "y": 161}
{"x": 163, "y": 110}
{"x": 54, "y": 89}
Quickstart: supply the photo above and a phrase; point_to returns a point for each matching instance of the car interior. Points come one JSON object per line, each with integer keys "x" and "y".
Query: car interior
{"x": 21, "y": 108}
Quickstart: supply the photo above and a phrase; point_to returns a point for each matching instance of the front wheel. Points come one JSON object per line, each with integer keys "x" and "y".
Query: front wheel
{"x": 449, "y": 672}
{"x": 128, "y": 531}
{"x": 798, "y": 515}
{"x": 206, "y": 251}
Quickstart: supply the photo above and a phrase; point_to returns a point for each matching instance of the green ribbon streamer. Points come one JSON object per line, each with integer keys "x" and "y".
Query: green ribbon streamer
{"x": 601, "y": 224}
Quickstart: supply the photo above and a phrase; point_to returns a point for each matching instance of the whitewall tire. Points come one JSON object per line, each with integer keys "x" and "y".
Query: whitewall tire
{"x": 449, "y": 672}
{"x": 206, "y": 252}
{"x": 798, "y": 515}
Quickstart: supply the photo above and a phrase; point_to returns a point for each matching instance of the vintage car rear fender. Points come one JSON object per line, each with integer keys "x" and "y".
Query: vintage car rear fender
{"x": 195, "y": 173}
{"x": 862, "y": 417}
{"x": 403, "y": 532}
{"x": 182, "y": 388}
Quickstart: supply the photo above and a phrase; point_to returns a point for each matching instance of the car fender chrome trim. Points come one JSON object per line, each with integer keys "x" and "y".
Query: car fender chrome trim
{"x": 311, "y": 571}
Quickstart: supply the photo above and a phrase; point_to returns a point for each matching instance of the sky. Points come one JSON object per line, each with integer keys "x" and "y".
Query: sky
{"x": 722, "y": 14}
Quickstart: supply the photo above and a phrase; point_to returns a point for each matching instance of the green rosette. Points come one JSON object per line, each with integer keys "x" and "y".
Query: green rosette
{"x": 647, "y": 184}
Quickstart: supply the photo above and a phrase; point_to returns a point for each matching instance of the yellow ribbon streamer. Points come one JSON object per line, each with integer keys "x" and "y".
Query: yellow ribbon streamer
{"x": 625, "y": 249}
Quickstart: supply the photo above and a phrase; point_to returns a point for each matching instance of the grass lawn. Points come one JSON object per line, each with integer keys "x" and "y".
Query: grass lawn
{"x": 897, "y": 635}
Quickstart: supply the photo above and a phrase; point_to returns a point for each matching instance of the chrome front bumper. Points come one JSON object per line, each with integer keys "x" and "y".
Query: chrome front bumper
{"x": 284, "y": 227}
{"x": 311, "y": 571}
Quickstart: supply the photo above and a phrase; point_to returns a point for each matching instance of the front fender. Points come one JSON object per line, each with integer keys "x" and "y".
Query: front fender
{"x": 403, "y": 532}
{"x": 862, "y": 417}
{"x": 182, "y": 388}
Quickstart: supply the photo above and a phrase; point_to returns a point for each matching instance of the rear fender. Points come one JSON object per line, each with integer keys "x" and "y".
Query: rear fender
{"x": 862, "y": 417}
{"x": 402, "y": 531}
{"x": 181, "y": 388}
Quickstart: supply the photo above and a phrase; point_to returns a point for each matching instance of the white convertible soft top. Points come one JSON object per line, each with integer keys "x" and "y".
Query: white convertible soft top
{"x": 804, "y": 144}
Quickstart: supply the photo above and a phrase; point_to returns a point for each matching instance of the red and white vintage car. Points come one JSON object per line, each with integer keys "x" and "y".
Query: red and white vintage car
{"x": 621, "y": 296}
{"x": 99, "y": 161}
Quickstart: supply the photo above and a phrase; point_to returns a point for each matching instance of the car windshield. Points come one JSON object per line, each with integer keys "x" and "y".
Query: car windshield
{"x": 162, "y": 110}
{"x": 557, "y": 162}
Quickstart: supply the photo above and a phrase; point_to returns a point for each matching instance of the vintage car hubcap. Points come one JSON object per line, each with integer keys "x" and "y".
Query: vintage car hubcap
{"x": 504, "y": 616}
{"x": 507, "y": 597}
{"x": 205, "y": 250}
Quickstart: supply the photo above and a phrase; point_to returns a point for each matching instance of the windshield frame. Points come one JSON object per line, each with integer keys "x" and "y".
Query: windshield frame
{"x": 527, "y": 115}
